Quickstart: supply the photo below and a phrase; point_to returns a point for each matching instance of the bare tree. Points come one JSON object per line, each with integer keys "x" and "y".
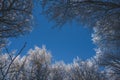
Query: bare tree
{"x": 111, "y": 62}
{"x": 15, "y": 18}
{"x": 9, "y": 65}
{"x": 38, "y": 62}
{"x": 106, "y": 37}
{"x": 37, "y": 65}
{"x": 84, "y": 11}
{"x": 85, "y": 70}
{"x": 59, "y": 71}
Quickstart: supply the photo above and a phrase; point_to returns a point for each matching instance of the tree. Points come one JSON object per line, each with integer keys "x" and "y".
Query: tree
{"x": 11, "y": 65}
{"x": 37, "y": 65}
{"x": 111, "y": 62}
{"x": 106, "y": 37}
{"x": 85, "y": 70}
{"x": 84, "y": 11}
{"x": 15, "y": 18}
{"x": 38, "y": 62}
{"x": 59, "y": 71}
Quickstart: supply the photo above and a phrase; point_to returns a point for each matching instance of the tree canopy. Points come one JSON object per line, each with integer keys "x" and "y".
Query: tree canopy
{"x": 15, "y": 18}
{"x": 84, "y": 11}
{"x": 37, "y": 65}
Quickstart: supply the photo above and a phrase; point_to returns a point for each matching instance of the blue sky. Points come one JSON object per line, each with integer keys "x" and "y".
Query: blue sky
{"x": 64, "y": 44}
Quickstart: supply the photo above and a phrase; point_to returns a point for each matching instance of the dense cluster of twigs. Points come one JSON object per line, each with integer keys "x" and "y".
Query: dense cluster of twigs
{"x": 15, "y": 18}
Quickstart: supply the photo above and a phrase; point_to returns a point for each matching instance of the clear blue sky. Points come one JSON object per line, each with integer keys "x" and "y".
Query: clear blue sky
{"x": 64, "y": 44}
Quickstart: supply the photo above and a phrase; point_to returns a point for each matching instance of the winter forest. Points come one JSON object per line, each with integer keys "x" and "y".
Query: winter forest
{"x": 102, "y": 16}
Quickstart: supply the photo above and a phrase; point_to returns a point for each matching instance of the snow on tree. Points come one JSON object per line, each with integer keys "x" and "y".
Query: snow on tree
{"x": 86, "y": 12}
{"x": 38, "y": 61}
{"x": 37, "y": 65}
{"x": 85, "y": 70}
{"x": 15, "y": 18}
